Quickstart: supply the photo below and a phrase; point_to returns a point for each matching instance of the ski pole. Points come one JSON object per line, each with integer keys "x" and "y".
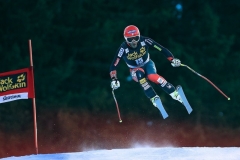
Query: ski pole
{"x": 119, "y": 116}
{"x": 206, "y": 80}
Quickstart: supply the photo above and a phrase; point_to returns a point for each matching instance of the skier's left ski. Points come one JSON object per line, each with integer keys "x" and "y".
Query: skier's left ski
{"x": 184, "y": 99}
{"x": 161, "y": 108}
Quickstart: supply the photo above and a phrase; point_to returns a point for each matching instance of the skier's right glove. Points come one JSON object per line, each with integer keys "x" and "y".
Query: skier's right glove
{"x": 115, "y": 84}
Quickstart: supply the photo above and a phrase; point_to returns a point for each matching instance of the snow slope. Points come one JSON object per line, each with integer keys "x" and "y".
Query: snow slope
{"x": 164, "y": 153}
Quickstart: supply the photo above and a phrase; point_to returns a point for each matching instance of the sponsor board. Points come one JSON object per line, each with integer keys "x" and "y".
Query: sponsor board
{"x": 13, "y": 97}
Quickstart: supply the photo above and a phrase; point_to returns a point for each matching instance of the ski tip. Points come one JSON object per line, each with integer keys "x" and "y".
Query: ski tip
{"x": 229, "y": 98}
{"x": 190, "y": 111}
{"x": 164, "y": 117}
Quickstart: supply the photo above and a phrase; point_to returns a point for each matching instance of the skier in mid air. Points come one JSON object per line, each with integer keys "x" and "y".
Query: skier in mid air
{"x": 134, "y": 51}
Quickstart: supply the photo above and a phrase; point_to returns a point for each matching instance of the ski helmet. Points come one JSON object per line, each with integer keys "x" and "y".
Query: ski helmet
{"x": 132, "y": 35}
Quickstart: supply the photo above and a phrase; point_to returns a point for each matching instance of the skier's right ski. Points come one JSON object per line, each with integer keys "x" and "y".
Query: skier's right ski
{"x": 161, "y": 108}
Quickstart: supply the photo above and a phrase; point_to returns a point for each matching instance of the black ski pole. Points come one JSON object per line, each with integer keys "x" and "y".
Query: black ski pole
{"x": 206, "y": 80}
{"x": 119, "y": 116}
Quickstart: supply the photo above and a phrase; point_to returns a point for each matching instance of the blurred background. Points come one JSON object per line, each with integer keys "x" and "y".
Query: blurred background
{"x": 74, "y": 43}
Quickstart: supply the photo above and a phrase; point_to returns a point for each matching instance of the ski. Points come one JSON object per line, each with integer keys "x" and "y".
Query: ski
{"x": 161, "y": 108}
{"x": 184, "y": 99}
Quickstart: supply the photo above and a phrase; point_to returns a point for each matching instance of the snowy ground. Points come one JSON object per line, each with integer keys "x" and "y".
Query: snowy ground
{"x": 165, "y": 153}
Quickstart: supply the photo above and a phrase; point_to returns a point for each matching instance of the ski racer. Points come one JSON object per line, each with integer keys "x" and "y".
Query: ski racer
{"x": 134, "y": 51}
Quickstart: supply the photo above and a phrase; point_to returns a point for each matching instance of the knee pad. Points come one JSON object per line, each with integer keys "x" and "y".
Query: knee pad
{"x": 157, "y": 79}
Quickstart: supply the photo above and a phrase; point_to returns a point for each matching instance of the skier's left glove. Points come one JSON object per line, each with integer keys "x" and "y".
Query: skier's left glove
{"x": 115, "y": 84}
{"x": 176, "y": 62}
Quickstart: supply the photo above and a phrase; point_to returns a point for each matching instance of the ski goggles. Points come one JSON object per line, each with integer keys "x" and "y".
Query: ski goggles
{"x": 130, "y": 39}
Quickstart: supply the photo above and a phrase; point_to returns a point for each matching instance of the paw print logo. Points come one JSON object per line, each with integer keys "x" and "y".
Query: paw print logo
{"x": 142, "y": 50}
{"x": 21, "y": 78}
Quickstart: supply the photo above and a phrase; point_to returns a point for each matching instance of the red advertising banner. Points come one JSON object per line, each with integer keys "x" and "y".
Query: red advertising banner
{"x": 17, "y": 84}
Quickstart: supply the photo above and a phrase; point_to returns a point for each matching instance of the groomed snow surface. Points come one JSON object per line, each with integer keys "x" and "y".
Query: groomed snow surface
{"x": 147, "y": 153}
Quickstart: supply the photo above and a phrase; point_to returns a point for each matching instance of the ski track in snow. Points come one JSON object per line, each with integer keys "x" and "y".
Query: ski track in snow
{"x": 164, "y": 153}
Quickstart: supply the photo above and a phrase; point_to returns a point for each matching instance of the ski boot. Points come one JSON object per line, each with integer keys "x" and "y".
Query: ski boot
{"x": 176, "y": 96}
{"x": 153, "y": 100}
